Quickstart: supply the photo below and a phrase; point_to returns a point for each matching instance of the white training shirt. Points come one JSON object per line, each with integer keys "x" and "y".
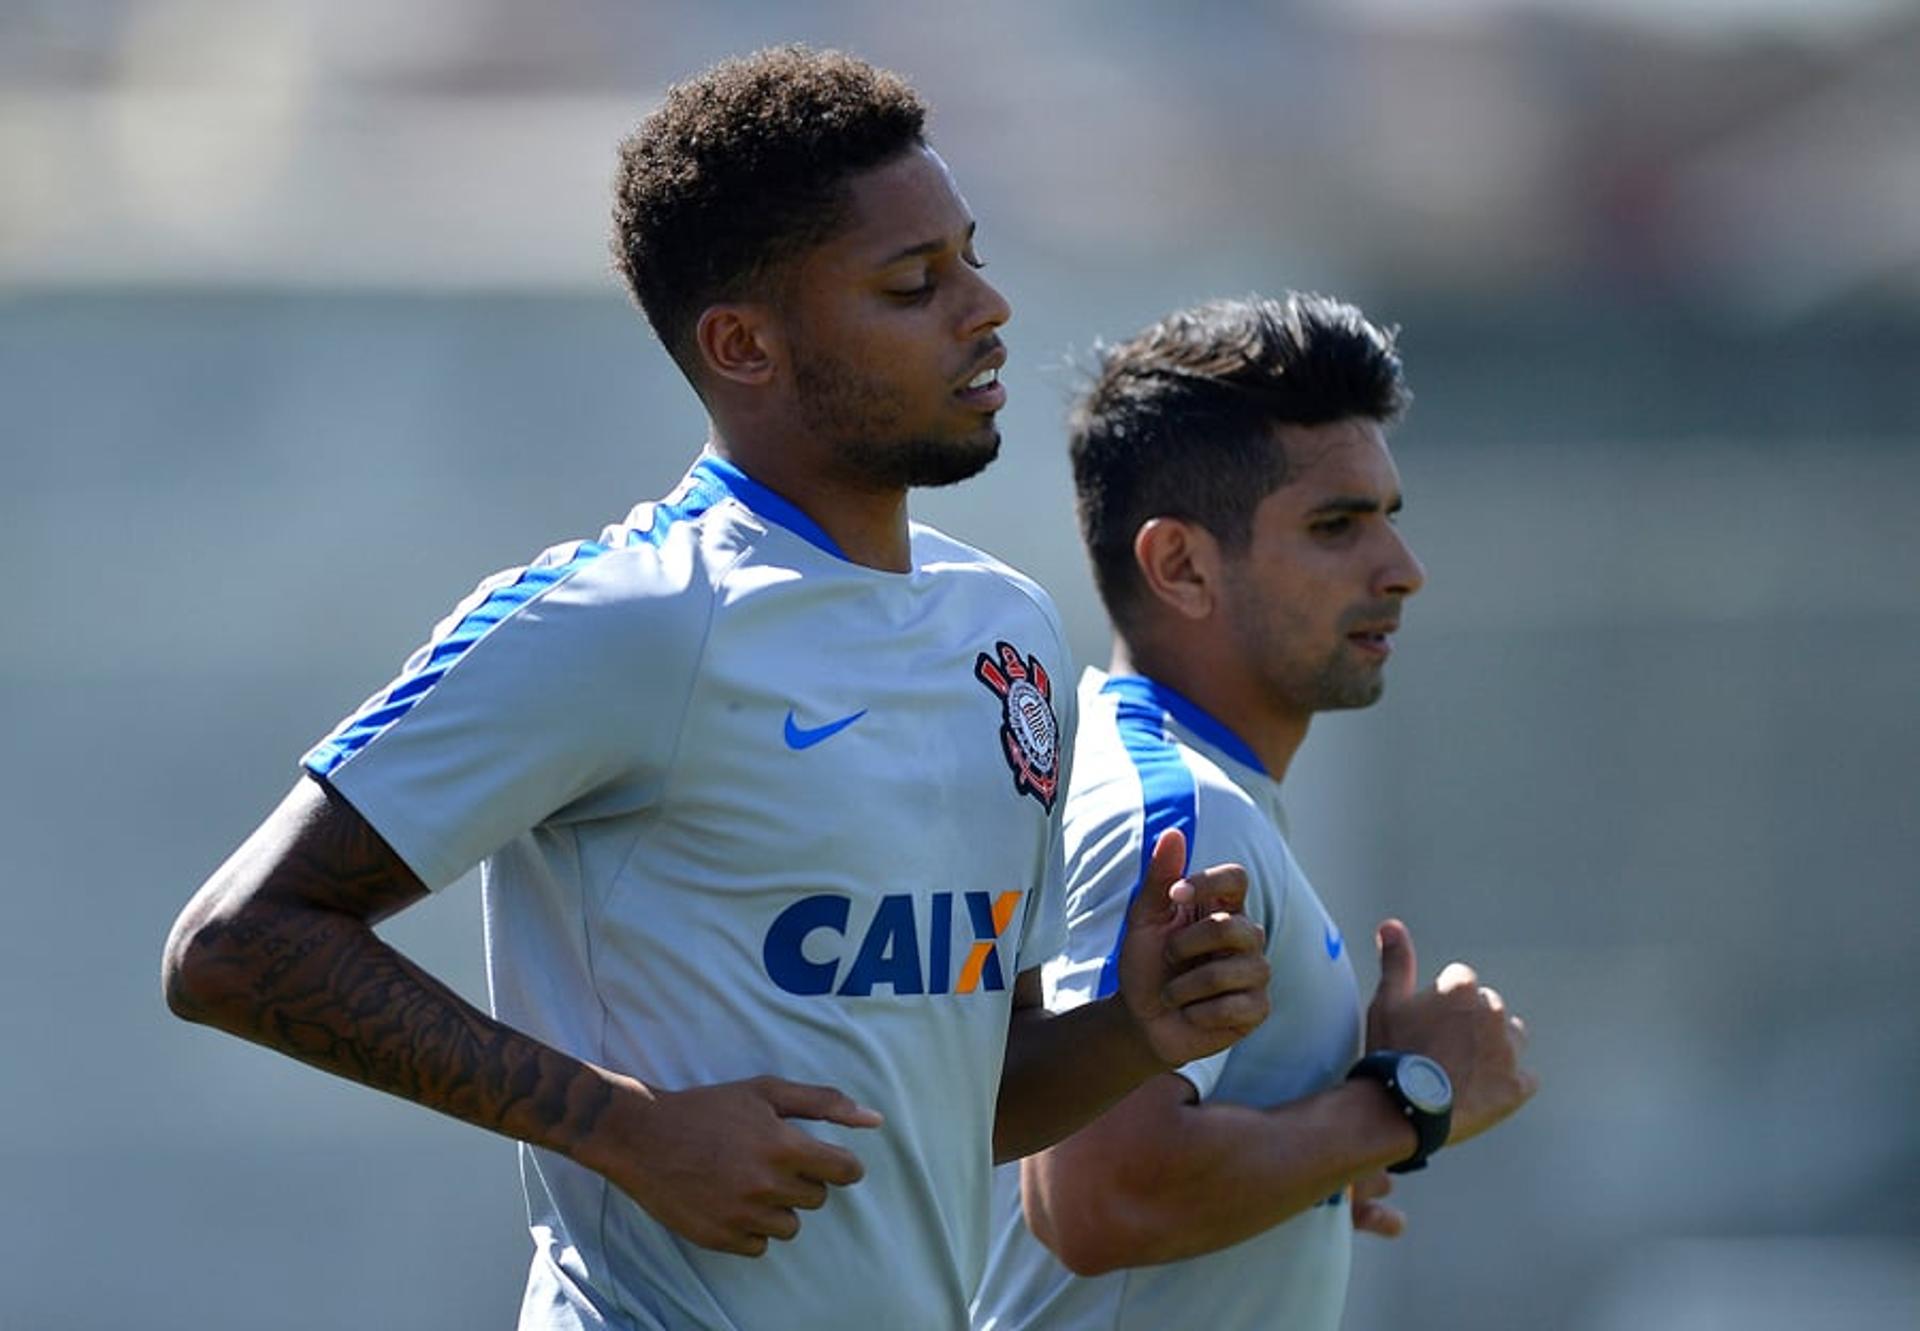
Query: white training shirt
{"x": 1148, "y": 759}
{"x": 743, "y": 806}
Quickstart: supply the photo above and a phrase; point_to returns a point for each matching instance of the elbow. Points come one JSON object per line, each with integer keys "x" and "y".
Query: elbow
{"x": 1088, "y": 1257}
{"x": 1090, "y": 1236}
{"x": 184, "y": 970}
{"x": 204, "y": 963}
{"x": 1096, "y": 1247}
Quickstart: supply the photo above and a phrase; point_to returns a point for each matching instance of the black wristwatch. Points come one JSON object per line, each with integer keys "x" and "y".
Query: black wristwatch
{"x": 1425, "y": 1096}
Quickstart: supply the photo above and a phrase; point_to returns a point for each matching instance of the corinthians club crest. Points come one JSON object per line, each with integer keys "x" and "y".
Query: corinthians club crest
{"x": 1028, "y": 730}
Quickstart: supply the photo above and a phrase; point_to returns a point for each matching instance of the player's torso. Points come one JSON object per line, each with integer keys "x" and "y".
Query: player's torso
{"x": 830, "y": 888}
{"x": 845, "y": 823}
{"x": 1134, "y": 772}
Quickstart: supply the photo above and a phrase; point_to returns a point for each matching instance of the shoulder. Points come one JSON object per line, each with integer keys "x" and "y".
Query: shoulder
{"x": 619, "y": 586}
{"x": 936, "y": 553}
{"x": 644, "y": 588}
{"x": 694, "y": 546}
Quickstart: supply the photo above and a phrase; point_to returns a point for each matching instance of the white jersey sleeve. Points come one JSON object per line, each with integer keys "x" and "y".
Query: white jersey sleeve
{"x": 530, "y": 704}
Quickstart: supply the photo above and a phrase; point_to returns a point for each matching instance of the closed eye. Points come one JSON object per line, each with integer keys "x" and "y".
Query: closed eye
{"x": 924, "y": 292}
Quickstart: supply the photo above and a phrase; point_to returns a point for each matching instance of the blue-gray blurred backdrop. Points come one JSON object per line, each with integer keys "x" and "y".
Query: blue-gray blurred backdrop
{"x": 305, "y": 325}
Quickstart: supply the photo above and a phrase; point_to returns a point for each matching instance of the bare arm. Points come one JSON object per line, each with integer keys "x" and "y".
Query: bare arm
{"x": 1048, "y": 1086}
{"x": 1193, "y": 980}
{"x": 1162, "y": 1176}
{"x": 278, "y": 947}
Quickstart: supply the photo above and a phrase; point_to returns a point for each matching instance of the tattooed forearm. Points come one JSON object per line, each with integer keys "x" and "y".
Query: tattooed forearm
{"x": 279, "y": 948}
{"x": 286, "y": 955}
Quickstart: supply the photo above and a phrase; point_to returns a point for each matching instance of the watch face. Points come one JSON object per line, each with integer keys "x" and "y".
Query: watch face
{"x": 1424, "y": 1083}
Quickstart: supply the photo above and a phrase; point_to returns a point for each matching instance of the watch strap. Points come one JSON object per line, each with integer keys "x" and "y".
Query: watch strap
{"x": 1430, "y": 1127}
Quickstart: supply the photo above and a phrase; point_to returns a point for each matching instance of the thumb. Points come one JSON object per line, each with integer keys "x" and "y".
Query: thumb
{"x": 792, "y": 1099}
{"x": 1399, "y": 970}
{"x": 1163, "y": 888}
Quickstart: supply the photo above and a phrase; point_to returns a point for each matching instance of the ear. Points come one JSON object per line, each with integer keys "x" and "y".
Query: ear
{"x": 1180, "y": 563}
{"x": 738, "y": 340}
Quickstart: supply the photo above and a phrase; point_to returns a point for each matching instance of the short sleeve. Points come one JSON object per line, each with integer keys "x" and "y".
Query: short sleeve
{"x": 552, "y": 693}
{"x": 1102, "y": 867}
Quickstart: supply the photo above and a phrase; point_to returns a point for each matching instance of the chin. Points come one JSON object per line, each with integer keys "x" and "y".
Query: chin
{"x": 927, "y": 464}
{"x": 1344, "y": 692}
{"x": 1361, "y": 694}
{"x": 963, "y": 463}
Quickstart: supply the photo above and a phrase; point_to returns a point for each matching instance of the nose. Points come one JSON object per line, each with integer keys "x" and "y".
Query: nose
{"x": 1401, "y": 574}
{"x": 987, "y": 309}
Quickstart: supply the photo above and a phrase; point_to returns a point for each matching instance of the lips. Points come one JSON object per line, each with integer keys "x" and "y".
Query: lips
{"x": 1376, "y": 639}
{"x": 982, "y": 389}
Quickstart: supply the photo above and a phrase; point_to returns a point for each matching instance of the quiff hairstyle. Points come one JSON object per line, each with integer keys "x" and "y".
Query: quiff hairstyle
{"x": 741, "y": 168}
{"x": 1179, "y": 421}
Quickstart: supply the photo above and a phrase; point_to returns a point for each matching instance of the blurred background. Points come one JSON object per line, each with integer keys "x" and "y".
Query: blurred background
{"x": 306, "y": 324}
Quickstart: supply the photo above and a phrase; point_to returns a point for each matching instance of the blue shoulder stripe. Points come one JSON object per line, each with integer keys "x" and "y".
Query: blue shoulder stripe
{"x": 1166, "y": 795}
{"x": 699, "y": 494}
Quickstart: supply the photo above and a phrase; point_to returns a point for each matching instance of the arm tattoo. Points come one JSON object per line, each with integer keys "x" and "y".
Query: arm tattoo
{"x": 299, "y": 969}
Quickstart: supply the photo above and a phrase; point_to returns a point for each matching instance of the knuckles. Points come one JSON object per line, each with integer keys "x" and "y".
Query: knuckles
{"x": 1232, "y": 1014}
{"x": 1236, "y": 978}
{"x": 1220, "y": 933}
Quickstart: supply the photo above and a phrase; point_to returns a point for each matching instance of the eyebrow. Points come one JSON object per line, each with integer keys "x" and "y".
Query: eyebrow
{"x": 924, "y": 248}
{"x": 1355, "y": 504}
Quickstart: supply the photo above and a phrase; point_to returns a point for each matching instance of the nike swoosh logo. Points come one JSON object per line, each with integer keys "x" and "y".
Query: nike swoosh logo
{"x": 805, "y": 737}
{"x": 1334, "y": 942}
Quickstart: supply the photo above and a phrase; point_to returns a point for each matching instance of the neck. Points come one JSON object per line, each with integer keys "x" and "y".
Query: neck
{"x": 869, "y": 525}
{"x": 1206, "y": 679}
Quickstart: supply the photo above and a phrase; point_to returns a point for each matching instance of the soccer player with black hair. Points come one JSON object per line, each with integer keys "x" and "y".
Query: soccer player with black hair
{"x": 1238, "y": 501}
{"x": 763, "y": 785}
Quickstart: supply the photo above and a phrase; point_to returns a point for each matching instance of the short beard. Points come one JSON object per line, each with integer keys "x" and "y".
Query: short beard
{"x": 1335, "y": 689}
{"x": 860, "y": 425}
{"x": 1335, "y": 682}
{"x": 910, "y": 463}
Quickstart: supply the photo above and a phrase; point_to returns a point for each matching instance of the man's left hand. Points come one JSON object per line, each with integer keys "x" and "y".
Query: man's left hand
{"x": 1193, "y": 968}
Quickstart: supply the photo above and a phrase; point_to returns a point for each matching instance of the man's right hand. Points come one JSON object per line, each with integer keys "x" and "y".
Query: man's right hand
{"x": 720, "y": 1165}
{"x": 1459, "y": 1022}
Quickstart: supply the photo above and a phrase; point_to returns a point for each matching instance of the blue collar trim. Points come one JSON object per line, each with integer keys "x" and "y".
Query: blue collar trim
{"x": 1148, "y": 692}
{"x": 767, "y": 504}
